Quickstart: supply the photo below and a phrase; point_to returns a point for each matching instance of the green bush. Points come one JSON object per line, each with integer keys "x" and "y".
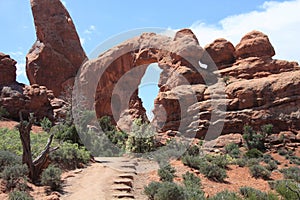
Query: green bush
{"x": 3, "y": 112}
{"x": 252, "y": 161}
{"x": 233, "y": 150}
{"x": 241, "y": 162}
{"x": 46, "y": 124}
{"x": 193, "y": 161}
{"x": 289, "y": 190}
{"x": 51, "y": 177}
{"x": 190, "y": 180}
{"x": 169, "y": 190}
{"x": 254, "y": 153}
{"x": 142, "y": 138}
{"x": 272, "y": 165}
{"x": 193, "y": 150}
{"x": 8, "y": 159}
{"x": 10, "y": 141}
{"x": 225, "y": 195}
{"x": 252, "y": 193}
{"x": 65, "y": 132}
{"x": 291, "y": 173}
{"x": 14, "y": 176}
{"x": 213, "y": 172}
{"x": 151, "y": 189}
{"x": 258, "y": 171}
{"x": 256, "y": 140}
{"x": 19, "y": 195}
{"x": 70, "y": 156}
{"x": 294, "y": 160}
{"x": 192, "y": 185}
{"x": 166, "y": 173}
{"x": 282, "y": 152}
{"x": 220, "y": 161}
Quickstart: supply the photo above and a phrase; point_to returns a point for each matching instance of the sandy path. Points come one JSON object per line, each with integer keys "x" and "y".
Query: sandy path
{"x": 93, "y": 183}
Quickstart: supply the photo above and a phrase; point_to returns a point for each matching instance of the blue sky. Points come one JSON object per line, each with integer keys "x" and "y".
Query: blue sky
{"x": 98, "y": 20}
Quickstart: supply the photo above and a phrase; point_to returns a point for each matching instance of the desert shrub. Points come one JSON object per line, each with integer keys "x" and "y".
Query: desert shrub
{"x": 241, "y": 162}
{"x": 282, "y": 152}
{"x": 169, "y": 190}
{"x": 272, "y": 165}
{"x": 225, "y": 195}
{"x": 220, "y": 161}
{"x": 291, "y": 173}
{"x": 51, "y": 177}
{"x": 194, "y": 194}
{"x": 191, "y": 180}
{"x": 252, "y": 193}
{"x": 192, "y": 185}
{"x": 258, "y": 171}
{"x": 70, "y": 155}
{"x": 3, "y": 112}
{"x": 267, "y": 158}
{"x": 289, "y": 190}
{"x": 294, "y": 160}
{"x": 8, "y": 159}
{"x": 166, "y": 173}
{"x": 151, "y": 189}
{"x": 252, "y": 161}
{"x": 256, "y": 140}
{"x": 19, "y": 195}
{"x": 267, "y": 129}
{"x": 10, "y": 141}
{"x": 65, "y": 132}
{"x": 193, "y": 150}
{"x": 253, "y": 153}
{"x": 14, "y": 176}
{"x": 193, "y": 161}
{"x": 233, "y": 150}
{"x": 141, "y": 139}
{"x": 46, "y": 124}
{"x": 213, "y": 172}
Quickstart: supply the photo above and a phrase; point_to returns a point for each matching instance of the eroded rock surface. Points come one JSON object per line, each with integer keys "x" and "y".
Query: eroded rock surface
{"x": 56, "y": 56}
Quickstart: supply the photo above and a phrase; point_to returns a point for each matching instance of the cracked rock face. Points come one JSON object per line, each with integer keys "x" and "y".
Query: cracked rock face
{"x": 57, "y": 54}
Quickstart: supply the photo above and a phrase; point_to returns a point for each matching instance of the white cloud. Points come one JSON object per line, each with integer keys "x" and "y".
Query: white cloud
{"x": 90, "y": 30}
{"x": 21, "y": 69}
{"x": 279, "y": 20}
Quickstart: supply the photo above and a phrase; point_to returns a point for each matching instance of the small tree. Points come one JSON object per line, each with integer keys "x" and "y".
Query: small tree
{"x": 37, "y": 165}
{"x": 257, "y": 140}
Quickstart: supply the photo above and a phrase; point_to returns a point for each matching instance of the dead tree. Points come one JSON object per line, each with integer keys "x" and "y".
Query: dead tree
{"x": 37, "y": 165}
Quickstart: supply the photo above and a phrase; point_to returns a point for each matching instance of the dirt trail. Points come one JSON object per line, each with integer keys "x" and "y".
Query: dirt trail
{"x": 108, "y": 178}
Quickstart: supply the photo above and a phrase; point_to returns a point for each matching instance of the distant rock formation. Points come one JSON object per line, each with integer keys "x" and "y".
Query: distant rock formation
{"x": 56, "y": 56}
{"x": 16, "y": 97}
{"x": 7, "y": 69}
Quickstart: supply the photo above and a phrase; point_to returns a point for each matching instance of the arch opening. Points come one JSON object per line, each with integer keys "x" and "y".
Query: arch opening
{"x": 148, "y": 88}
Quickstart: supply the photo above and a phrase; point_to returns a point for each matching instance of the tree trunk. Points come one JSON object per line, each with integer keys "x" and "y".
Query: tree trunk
{"x": 36, "y": 166}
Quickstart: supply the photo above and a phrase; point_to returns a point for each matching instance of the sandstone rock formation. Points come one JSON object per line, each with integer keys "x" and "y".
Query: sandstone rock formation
{"x": 7, "y": 69}
{"x": 120, "y": 70}
{"x": 254, "y": 44}
{"x": 241, "y": 85}
{"x": 16, "y": 97}
{"x": 221, "y": 52}
{"x": 56, "y": 56}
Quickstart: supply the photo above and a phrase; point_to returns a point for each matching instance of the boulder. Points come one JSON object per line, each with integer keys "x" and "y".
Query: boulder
{"x": 57, "y": 54}
{"x": 221, "y": 52}
{"x": 254, "y": 44}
